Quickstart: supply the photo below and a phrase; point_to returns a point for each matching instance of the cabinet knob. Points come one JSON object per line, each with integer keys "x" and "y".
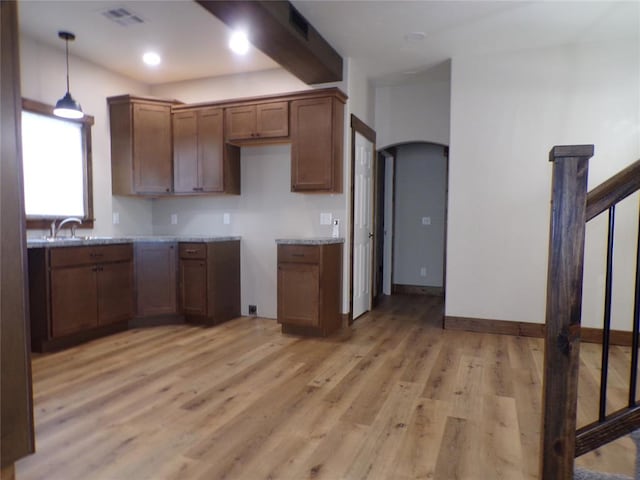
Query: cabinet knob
{"x": 167, "y": 190}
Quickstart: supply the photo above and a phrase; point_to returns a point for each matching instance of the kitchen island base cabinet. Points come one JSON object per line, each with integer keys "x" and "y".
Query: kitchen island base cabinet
{"x": 309, "y": 288}
{"x": 78, "y": 293}
{"x": 209, "y": 281}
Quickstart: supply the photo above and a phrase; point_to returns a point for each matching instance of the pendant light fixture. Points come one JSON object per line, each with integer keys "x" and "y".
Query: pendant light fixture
{"x": 67, "y": 107}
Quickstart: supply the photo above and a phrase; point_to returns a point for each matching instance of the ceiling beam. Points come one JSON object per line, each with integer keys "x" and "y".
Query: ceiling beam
{"x": 280, "y": 31}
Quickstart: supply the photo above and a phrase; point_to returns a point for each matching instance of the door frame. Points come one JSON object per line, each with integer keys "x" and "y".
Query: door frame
{"x": 358, "y": 126}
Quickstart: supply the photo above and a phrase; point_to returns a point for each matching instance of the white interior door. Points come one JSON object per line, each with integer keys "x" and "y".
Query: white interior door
{"x": 362, "y": 225}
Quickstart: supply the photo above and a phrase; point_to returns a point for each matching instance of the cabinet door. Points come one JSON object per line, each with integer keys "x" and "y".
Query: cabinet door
{"x": 240, "y": 122}
{"x": 311, "y": 144}
{"x": 210, "y": 150}
{"x": 155, "y": 280}
{"x": 193, "y": 286}
{"x": 272, "y": 119}
{"x": 152, "y": 148}
{"x": 115, "y": 292}
{"x": 298, "y": 294}
{"x": 185, "y": 152}
{"x": 73, "y": 300}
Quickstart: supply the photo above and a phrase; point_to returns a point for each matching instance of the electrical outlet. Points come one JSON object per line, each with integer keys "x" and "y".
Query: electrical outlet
{"x": 174, "y": 219}
{"x": 423, "y": 271}
{"x": 426, "y": 220}
{"x": 116, "y": 218}
{"x": 325, "y": 218}
{"x": 253, "y": 310}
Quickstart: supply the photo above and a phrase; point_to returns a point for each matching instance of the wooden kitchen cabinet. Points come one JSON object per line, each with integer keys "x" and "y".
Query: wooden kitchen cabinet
{"x": 155, "y": 278}
{"x": 257, "y": 121}
{"x": 209, "y": 281}
{"x": 79, "y": 292}
{"x": 141, "y": 145}
{"x": 317, "y": 129}
{"x": 202, "y": 162}
{"x": 309, "y": 288}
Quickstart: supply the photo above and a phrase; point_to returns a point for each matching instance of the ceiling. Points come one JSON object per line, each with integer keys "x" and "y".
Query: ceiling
{"x": 393, "y": 40}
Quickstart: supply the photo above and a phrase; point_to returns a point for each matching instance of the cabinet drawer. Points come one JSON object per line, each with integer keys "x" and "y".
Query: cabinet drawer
{"x": 193, "y": 250}
{"x": 68, "y": 256}
{"x": 298, "y": 254}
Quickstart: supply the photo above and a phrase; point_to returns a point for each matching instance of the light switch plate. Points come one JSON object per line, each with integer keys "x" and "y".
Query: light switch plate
{"x": 423, "y": 271}
{"x": 426, "y": 220}
{"x": 174, "y": 219}
{"x": 325, "y": 218}
{"x": 116, "y": 218}
{"x": 226, "y": 218}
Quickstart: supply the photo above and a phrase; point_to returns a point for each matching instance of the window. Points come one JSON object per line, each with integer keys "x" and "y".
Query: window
{"x": 56, "y": 159}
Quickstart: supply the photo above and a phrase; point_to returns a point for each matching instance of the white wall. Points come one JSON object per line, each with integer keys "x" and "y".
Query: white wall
{"x": 43, "y": 79}
{"x": 214, "y": 89}
{"x": 507, "y": 112}
{"x": 421, "y": 176}
{"x": 417, "y": 110}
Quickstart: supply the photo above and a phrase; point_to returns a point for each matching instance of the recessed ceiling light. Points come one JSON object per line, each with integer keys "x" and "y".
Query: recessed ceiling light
{"x": 239, "y": 43}
{"x": 151, "y": 58}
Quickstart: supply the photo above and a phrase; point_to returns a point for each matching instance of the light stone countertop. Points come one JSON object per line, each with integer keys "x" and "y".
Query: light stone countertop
{"x": 309, "y": 241}
{"x": 98, "y": 240}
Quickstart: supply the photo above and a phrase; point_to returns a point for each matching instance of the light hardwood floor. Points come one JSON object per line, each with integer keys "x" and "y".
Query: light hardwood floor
{"x": 394, "y": 397}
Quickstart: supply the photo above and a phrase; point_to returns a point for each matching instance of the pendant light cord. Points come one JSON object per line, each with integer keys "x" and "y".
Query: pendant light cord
{"x": 66, "y": 42}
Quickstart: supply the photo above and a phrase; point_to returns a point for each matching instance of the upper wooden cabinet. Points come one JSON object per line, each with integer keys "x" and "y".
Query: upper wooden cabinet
{"x": 202, "y": 162}
{"x": 141, "y": 151}
{"x": 165, "y": 148}
{"x": 317, "y": 135}
{"x": 257, "y": 121}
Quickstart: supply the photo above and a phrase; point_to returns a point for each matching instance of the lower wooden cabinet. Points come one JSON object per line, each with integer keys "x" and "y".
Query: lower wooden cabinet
{"x": 309, "y": 288}
{"x": 209, "y": 281}
{"x": 156, "y": 268}
{"x": 79, "y": 292}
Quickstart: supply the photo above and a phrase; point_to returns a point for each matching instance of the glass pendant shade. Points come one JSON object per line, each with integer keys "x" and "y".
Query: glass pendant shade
{"x": 67, "y": 107}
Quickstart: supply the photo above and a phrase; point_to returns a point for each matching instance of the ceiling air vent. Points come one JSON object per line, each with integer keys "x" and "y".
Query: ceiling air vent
{"x": 298, "y": 22}
{"x": 122, "y": 16}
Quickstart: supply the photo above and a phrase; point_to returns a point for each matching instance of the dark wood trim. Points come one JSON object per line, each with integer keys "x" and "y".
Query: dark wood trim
{"x": 610, "y": 192}
{"x": 528, "y": 329}
{"x": 400, "y": 289}
{"x": 8, "y": 472}
{"x": 363, "y": 129}
{"x": 358, "y": 126}
{"x": 618, "y": 337}
{"x": 17, "y": 438}
{"x": 46, "y": 109}
{"x": 617, "y": 425}
{"x": 280, "y": 31}
{"x": 87, "y": 122}
{"x": 563, "y": 312}
{"x": 501, "y": 327}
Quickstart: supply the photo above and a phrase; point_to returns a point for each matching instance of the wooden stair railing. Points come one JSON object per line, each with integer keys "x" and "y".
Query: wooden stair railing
{"x": 571, "y": 208}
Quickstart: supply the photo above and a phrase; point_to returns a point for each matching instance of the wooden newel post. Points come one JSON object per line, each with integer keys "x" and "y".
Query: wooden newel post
{"x": 564, "y": 303}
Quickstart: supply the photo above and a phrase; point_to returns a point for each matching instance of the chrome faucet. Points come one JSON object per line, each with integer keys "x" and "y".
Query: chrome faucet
{"x": 56, "y": 229}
